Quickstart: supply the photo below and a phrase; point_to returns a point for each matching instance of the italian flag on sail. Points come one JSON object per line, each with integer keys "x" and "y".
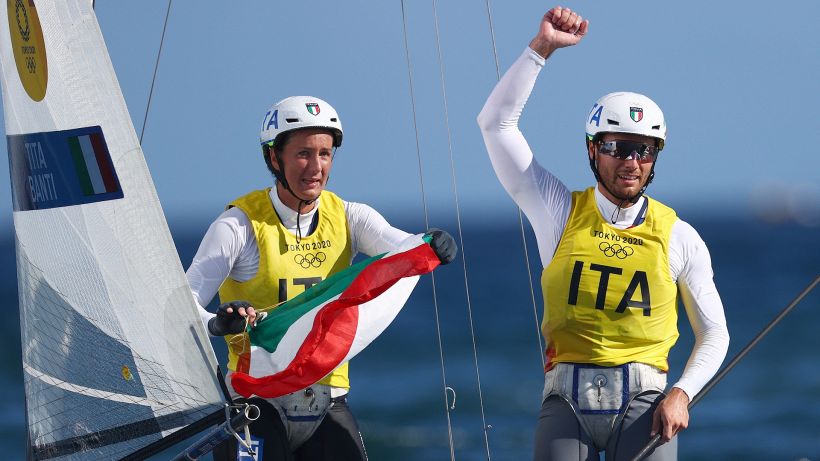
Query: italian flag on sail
{"x": 299, "y": 342}
{"x": 92, "y": 161}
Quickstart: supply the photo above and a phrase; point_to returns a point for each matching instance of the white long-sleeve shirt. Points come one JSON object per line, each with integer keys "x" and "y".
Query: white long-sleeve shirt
{"x": 229, "y": 248}
{"x": 546, "y": 201}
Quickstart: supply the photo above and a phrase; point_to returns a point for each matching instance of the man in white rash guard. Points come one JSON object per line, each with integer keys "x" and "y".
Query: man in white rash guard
{"x": 272, "y": 244}
{"x": 614, "y": 263}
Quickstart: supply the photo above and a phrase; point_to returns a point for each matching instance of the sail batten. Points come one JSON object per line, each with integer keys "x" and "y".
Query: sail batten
{"x": 115, "y": 435}
{"x": 115, "y": 356}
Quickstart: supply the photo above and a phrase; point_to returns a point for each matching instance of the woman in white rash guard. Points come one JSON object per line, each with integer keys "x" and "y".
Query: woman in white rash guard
{"x": 614, "y": 264}
{"x": 272, "y": 244}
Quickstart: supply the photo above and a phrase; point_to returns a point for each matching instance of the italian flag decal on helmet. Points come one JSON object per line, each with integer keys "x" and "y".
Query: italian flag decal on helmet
{"x": 636, "y": 113}
{"x": 313, "y": 108}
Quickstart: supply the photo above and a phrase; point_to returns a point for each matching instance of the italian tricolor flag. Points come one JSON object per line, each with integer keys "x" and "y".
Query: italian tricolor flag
{"x": 93, "y": 165}
{"x": 299, "y": 342}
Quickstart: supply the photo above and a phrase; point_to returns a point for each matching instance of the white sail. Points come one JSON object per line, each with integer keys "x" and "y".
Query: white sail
{"x": 114, "y": 353}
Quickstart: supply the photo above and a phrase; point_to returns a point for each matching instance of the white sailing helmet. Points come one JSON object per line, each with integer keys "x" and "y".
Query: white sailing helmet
{"x": 626, "y": 112}
{"x": 298, "y": 112}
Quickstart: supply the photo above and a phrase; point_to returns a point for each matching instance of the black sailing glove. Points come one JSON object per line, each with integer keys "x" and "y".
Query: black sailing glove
{"x": 228, "y": 323}
{"x": 443, "y": 244}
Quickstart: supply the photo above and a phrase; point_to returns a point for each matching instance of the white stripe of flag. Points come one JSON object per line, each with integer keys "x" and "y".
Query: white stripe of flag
{"x": 91, "y": 164}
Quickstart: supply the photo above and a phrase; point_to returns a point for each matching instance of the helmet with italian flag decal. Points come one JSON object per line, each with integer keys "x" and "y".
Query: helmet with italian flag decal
{"x": 298, "y": 112}
{"x": 626, "y": 112}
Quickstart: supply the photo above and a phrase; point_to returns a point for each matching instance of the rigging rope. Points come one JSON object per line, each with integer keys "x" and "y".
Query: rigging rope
{"x": 541, "y": 351}
{"x": 427, "y": 225}
{"x": 156, "y": 67}
{"x": 484, "y": 425}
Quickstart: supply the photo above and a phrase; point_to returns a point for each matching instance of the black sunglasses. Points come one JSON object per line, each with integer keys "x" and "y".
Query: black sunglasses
{"x": 627, "y": 150}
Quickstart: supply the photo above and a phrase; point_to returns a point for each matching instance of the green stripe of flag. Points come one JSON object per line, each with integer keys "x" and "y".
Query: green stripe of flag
{"x": 79, "y": 163}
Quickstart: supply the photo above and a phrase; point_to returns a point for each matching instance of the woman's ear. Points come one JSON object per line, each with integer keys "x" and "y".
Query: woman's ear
{"x": 272, "y": 156}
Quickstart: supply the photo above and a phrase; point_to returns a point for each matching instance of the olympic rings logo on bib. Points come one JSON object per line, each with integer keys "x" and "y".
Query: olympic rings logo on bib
{"x": 621, "y": 252}
{"x": 310, "y": 260}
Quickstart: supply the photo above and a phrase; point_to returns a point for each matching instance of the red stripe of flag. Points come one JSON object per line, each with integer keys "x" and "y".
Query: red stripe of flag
{"x": 103, "y": 160}
{"x": 334, "y": 327}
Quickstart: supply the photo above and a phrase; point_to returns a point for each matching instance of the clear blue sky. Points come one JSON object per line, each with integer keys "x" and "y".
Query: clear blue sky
{"x": 737, "y": 81}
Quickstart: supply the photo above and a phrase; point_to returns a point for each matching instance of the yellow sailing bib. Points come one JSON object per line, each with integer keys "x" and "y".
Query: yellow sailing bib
{"x": 609, "y": 297}
{"x": 287, "y": 268}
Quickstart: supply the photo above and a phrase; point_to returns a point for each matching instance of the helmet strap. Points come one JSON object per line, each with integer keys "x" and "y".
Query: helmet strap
{"x": 298, "y": 220}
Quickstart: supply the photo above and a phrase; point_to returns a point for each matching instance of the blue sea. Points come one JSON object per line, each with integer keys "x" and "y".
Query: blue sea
{"x": 767, "y": 408}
